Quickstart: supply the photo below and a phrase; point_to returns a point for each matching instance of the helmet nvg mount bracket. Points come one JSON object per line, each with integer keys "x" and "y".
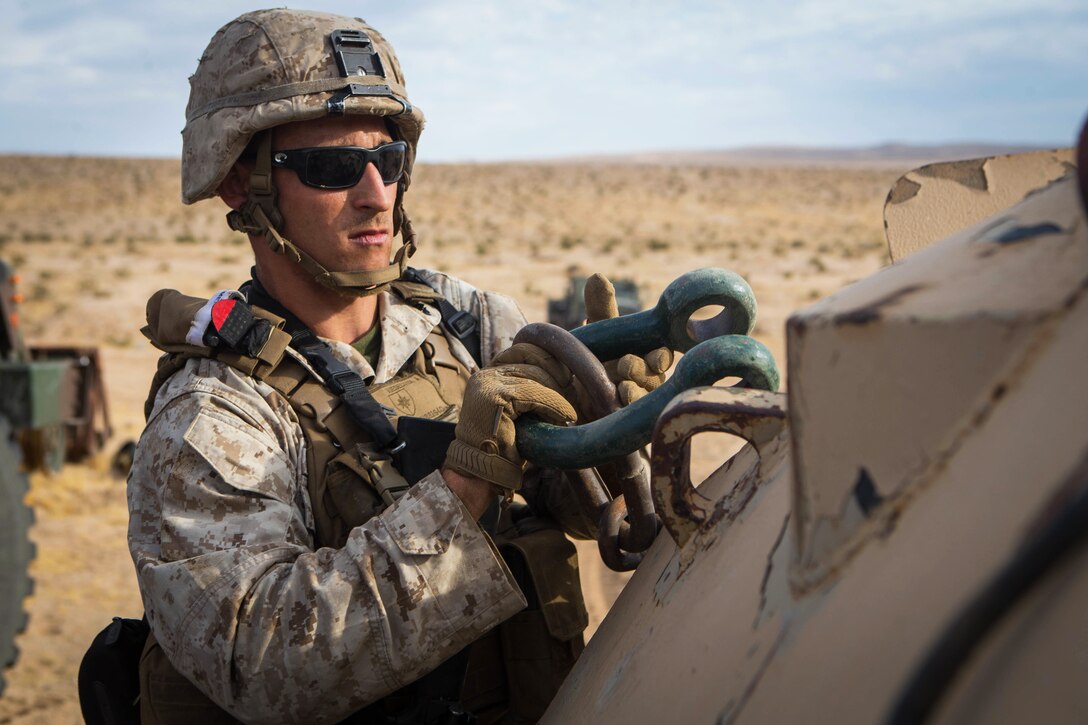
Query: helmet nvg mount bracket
{"x": 272, "y": 67}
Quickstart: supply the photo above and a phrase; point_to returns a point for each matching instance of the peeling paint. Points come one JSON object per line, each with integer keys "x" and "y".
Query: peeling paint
{"x": 817, "y": 615}
{"x": 865, "y": 492}
{"x": 970, "y": 173}
{"x": 757, "y": 416}
{"x": 733, "y": 503}
{"x": 810, "y": 573}
{"x": 669, "y": 576}
{"x": 1019, "y": 234}
{"x": 766, "y": 611}
{"x": 871, "y": 312}
{"x": 904, "y": 190}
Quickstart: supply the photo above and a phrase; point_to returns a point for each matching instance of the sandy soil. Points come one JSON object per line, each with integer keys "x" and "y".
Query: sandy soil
{"x": 93, "y": 238}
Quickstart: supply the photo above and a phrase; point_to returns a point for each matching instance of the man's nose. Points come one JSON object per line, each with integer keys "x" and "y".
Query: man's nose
{"x": 373, "y": 193}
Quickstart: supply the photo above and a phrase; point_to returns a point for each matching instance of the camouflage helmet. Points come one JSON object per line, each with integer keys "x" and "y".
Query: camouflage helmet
{"x": 271, "y": 67}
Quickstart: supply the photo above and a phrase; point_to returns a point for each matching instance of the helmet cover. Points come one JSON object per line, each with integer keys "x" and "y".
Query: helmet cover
{"x": 271, "y": 67}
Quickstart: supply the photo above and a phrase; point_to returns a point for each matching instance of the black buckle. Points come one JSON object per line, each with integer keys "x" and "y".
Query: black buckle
{"x": 323, "y": 361}
{"x": 350, "y": 388}
{"x": 355, "y": 54}
{"x": 461, "y": 324}
{"x": 335, "y": 105}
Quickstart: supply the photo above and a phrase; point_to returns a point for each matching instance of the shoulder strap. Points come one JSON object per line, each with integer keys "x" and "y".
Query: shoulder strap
{"x": 459, "y": 323}
{"x": 367, "y": 412}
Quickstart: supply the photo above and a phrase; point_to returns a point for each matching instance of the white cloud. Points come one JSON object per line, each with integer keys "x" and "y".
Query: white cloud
{"x": 550, "y": 77}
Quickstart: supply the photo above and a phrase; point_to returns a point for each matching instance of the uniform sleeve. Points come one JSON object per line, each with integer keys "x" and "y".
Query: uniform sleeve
{"x": 243, "y": 606}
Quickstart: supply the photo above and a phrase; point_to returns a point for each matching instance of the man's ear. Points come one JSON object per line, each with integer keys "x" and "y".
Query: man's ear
{"x": 234, "y": 190}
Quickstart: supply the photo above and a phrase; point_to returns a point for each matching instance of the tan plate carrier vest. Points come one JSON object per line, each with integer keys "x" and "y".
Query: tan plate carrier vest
{"x": 514, "y": 670}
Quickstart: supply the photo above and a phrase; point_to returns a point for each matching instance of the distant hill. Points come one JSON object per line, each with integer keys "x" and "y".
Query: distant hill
{"x": 888, "y": 154}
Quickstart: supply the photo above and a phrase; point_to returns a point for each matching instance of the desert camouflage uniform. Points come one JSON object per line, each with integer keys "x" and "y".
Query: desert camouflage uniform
{"x": 243, "y": 603}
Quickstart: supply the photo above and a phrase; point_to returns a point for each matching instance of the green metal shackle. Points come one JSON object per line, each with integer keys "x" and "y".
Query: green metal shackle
{"x": 669, "y": 323}
{"x": 627, "y": 430}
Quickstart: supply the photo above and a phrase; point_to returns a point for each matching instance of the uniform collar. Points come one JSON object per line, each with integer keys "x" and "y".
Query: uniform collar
{"x": 404, "y": 328}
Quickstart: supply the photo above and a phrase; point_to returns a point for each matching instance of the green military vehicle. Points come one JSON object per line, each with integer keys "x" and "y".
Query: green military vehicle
{"x": 569, "y": 311}
{"x": 52, "y": 410}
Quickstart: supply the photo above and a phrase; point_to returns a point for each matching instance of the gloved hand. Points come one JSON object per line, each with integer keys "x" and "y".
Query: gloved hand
{"x": 526, "y": 353}
{"x": 484, "y": 446}
{"x": 633, "y": 376}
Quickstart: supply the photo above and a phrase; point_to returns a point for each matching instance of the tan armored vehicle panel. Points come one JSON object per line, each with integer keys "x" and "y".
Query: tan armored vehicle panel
{"x": 938, "y": 200}
{"x": 902, "y": 541}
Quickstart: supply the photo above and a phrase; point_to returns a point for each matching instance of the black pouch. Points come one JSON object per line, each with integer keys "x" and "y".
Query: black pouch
{"x": 426, "y": 441}
{"x": 109, "y": 675}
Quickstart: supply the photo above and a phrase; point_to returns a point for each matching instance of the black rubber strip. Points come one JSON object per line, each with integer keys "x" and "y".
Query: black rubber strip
{"x": 1059, "y": 537}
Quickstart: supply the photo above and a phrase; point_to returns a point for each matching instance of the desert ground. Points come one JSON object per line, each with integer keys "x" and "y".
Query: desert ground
{"x": 93, "y": 238}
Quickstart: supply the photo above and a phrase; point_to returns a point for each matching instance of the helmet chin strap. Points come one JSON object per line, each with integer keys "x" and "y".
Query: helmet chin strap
{"x": 259, "y": 215}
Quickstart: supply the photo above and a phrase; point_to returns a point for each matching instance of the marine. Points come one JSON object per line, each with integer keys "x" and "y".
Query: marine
{"x": 313, "y": 538}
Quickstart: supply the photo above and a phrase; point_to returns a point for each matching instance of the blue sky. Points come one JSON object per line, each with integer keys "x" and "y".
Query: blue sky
{"x": 503, "y": 79}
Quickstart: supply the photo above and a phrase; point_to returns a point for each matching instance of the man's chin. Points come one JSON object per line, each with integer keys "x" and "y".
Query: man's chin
{"x": 368, "y": 259}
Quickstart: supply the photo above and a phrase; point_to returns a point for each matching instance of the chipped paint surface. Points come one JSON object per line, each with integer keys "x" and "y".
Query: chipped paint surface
{"x": 892, "y": 374}
{"x": 757, "y": 416}
{"x": 871, "y": 312}
{"x": 970, "y": 173}
{"x": 938, "y": 200}
{"x": 1015, "y": 233}
{"x": 935, "y": 413}
{"x": 903, "y": 191}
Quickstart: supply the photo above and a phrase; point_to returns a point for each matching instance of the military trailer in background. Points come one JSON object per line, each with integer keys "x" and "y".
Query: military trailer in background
{"x": 52, "y": 410}
{"x": 569, "y": 311}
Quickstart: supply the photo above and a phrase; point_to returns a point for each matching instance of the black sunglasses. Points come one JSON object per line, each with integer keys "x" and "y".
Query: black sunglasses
{"x": 341, "y": 167}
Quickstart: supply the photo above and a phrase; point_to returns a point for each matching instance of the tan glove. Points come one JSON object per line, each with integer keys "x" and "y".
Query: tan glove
{"x": 526, "y": 353}
{"x": 495, "y": 397}
{"x": 633, "y": 376}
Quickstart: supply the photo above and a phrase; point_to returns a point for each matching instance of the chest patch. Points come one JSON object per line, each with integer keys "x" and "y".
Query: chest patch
{"x": 416, "y": 395}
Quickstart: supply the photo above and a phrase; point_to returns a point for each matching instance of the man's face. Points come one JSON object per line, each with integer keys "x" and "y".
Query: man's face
{"x": 343, "y": 229}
